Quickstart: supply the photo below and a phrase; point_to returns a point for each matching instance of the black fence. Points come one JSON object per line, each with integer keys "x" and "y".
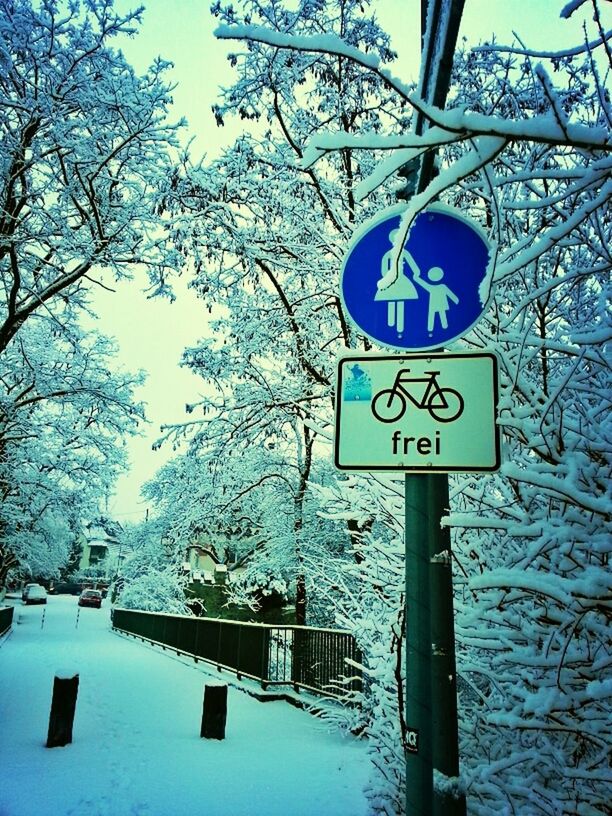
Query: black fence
{"x": 320, "y": 660}
{"x": 6, "y": 619}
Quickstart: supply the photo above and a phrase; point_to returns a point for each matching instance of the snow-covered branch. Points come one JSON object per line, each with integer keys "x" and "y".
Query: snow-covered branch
{"x": 321, "y": 44}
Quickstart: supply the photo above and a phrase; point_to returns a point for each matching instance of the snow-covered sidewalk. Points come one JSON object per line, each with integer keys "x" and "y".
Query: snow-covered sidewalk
{"x": 136, "y": 749}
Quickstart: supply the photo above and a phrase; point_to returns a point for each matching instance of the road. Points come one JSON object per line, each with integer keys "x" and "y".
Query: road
{"x": 136, "y": 749}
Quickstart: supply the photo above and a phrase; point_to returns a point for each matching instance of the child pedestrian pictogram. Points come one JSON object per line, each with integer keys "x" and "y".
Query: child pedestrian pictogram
{"x": 439, "y": 294}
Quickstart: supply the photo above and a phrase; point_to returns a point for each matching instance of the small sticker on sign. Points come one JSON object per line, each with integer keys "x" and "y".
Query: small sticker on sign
{"x": 412, "y": 740}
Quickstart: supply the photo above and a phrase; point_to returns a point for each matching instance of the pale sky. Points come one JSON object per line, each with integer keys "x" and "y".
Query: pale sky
{"x": 152, "y": 333}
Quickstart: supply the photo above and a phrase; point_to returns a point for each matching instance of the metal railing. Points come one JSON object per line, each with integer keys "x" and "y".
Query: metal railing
{"x": 319, "y": 660}
{"x": 6, "y": 619}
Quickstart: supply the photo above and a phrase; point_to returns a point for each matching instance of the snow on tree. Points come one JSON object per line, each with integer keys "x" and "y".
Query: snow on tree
{"x": 63, "y": 418}
{"x": 526, "y": 151}
{"x": 156, "y": 590}
{"x": 151, "y": 577}
{"x": 245, "y": 513}
{"x": 84, "y": 143}
{"x": 267, "y": 239}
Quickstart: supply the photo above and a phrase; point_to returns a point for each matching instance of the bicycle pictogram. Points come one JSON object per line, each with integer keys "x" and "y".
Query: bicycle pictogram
{"x": 443, "y": 404}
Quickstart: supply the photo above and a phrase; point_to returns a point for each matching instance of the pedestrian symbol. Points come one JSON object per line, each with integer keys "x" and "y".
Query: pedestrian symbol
{"x": 438, "y": 292}
{"x": 396, "y": 293}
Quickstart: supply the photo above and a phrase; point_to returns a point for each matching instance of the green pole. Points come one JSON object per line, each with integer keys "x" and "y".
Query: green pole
{"x": 419, "y": 769}
{"x": 445, "y": 731}
{"x": 431, "y": 686}
{"x": 431, "y": 681}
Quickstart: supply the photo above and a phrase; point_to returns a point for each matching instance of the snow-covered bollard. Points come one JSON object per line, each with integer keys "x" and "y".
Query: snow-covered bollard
{"x": 63, "y": 705}
{"x": 214, "y": 713}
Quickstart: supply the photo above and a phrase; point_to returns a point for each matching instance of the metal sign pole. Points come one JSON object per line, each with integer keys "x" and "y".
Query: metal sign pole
{"x": 445, "y": 730}
{"x": 431, "y": 692}
{"x": 431, "y": 687}
{"x": 419, "y": 768}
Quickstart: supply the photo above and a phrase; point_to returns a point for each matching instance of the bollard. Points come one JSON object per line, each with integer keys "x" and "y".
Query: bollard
{"x": 42, "y": 620}
{"x": 76, "y": 625}
{"x": 214, "y": 713}
{"x": 63, "y": 705}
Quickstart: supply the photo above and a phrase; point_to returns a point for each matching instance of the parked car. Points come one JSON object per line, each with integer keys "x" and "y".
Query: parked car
{"x": 65, "y": 588}
{"x": 91, "y": 597}
{"x": 34, "y": 594}
{"x": 103, "y": 587}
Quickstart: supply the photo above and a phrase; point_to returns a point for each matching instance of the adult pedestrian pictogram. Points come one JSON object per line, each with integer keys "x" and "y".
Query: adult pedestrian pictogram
{"x": 442, "y": 404}
{"x": 397, "y": 293}
{"x": 438, "y": 289}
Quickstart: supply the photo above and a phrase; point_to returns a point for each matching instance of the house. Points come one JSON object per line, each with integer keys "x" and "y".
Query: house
{"x": 201, "y": 559}
{"x": 102, "y": 547}
{"x": 214, "y": 564}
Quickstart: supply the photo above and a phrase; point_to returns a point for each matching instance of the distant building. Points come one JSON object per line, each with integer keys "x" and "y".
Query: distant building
{"x": 102, "y": 547}
{"x": 205, "y": 563}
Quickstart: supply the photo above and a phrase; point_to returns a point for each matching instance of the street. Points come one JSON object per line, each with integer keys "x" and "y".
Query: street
{"x": 136, "y": 749}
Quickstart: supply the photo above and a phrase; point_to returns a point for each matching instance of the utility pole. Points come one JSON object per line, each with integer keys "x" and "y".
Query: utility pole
{"x": 431, "y": 687}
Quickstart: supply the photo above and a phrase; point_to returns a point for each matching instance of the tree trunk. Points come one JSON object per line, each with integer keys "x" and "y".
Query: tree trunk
{"x": 300, "y": 601}
{"x": 298, "y": 525}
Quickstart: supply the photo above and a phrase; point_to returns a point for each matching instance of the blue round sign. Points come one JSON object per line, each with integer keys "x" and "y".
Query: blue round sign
{"x": 442, "y": 287}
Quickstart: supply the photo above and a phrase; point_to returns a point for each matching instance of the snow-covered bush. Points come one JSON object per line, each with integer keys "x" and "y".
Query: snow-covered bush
{"x": 154, "y": 591}
{"x": 367, "y": 597}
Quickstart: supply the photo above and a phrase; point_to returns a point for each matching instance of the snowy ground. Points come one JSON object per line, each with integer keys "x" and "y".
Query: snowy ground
{"x": 136, "y": 749}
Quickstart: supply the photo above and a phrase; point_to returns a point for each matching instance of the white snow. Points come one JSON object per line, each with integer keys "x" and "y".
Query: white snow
{"x": 66, "y": 672}
{"x": 326, "y": 43}
{"x": 322, "y": 43}
{"x": 543, "y": 128}
{"x": 563, "y": 487}
{"x": 136, "y": 748}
